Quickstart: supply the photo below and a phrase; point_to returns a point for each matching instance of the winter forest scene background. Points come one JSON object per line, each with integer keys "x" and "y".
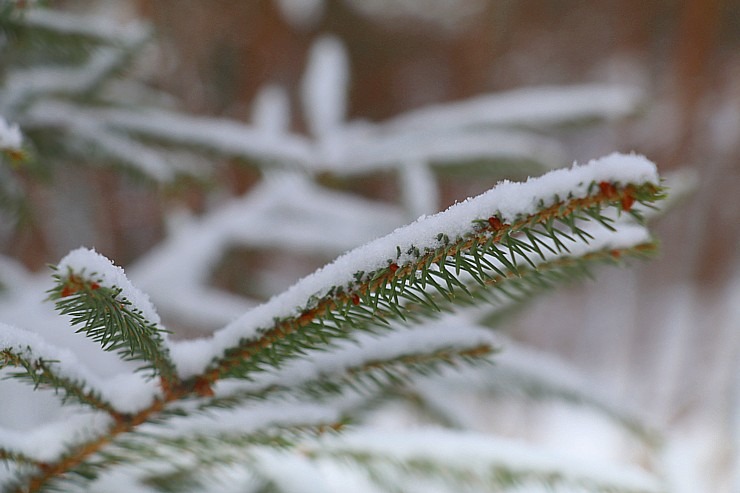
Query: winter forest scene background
{"x": 319, "y": 246}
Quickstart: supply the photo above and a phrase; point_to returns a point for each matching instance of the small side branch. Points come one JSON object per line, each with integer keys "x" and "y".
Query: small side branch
{"x": 111, "y": 311}
{"x": 18, "y": 458}
{"x": 41, "y": 373}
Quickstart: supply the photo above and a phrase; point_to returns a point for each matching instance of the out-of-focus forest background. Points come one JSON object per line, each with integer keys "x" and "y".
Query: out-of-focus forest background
{"x": 663, "y": 335}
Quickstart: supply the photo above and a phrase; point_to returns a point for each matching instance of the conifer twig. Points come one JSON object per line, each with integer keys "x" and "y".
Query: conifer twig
{"x": 367, "y": 376}
{"x": 42, "y": 374}
{"x": 105, "y": 312}
{"x": 490, "y": 251}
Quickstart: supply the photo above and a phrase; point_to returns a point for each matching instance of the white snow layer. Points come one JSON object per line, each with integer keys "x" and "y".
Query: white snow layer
{"x": 237, "y": 422}
{"x": 509, "y": 200}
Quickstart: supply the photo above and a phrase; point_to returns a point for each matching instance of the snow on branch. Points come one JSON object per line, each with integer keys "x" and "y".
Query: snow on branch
{"x": 50, "y": 441}
{"x": 485, "y": 238}
{"x": 367, "y": 150}
{"x": 539, "y": 375}
{"x": 324, "y": 86}
{"x": 24, "y": 85}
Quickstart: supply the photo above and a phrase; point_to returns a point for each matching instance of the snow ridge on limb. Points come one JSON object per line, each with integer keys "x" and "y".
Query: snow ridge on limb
{"x": 512, "y": 231}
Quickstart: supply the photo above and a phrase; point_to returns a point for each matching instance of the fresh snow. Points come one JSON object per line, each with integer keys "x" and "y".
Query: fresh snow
{"x": 519, "y": 369}
{"x": 222, "y": 134}
{"x": 91, "y": 265}
{"x": 22, "y": 85}
{"x": 510, "y": 200}
{"x": 369, "y": 149}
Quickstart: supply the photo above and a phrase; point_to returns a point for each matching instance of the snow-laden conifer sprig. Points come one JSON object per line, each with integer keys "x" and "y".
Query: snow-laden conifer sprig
{"x": 99, "y": 298}
{"x": 509, "y": 232}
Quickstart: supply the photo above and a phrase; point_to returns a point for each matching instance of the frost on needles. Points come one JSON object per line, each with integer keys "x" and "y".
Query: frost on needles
{"x": 304, "y": 362}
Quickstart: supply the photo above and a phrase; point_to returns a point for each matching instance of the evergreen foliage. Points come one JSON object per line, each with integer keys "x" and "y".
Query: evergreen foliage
{"x": 274, "y": 391}
{"x": 492, "y": 256}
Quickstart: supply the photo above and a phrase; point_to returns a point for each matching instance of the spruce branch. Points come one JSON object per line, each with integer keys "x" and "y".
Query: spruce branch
{"x": 490, "y": 251}
{"x": 106, "y": 315}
